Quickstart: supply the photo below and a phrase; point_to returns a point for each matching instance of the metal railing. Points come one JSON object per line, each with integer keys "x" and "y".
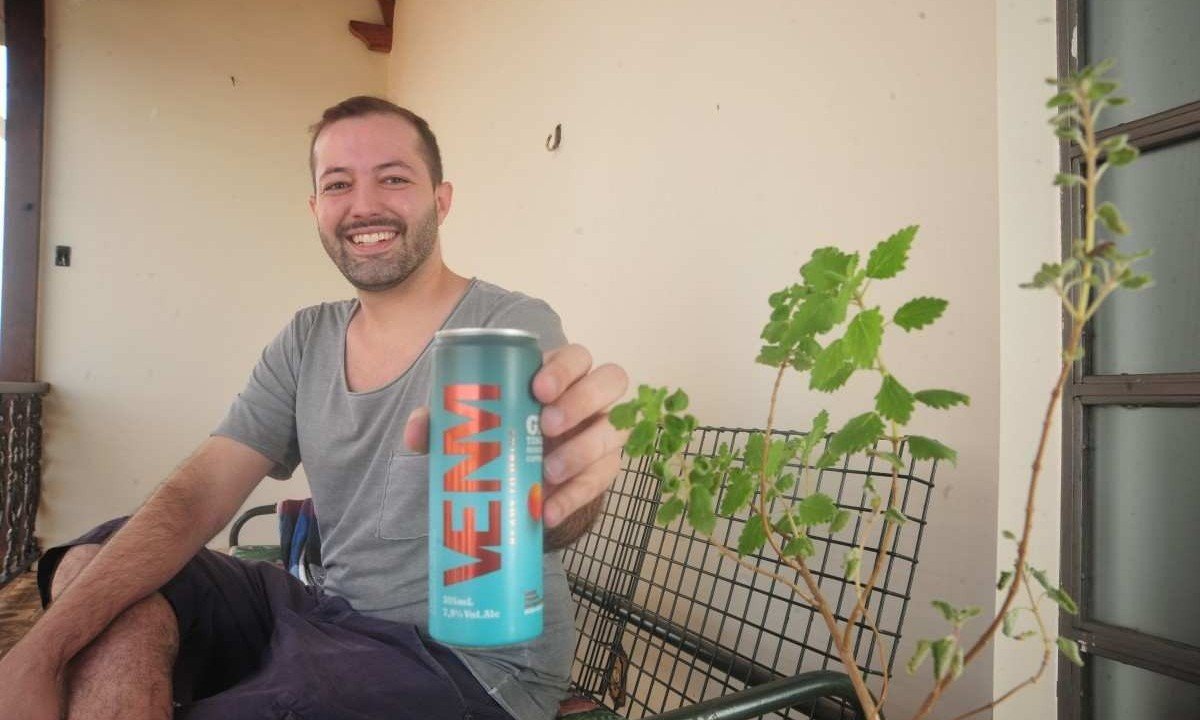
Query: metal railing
{"x": 20, "y": 474}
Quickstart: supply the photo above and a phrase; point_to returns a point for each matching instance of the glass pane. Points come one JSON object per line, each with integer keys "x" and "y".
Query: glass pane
{"x": 1156, "y": 329}
{"x": 1124, "y": 692}
{"x": 1144, "y": 473}
{"x": 1154, "y": 44}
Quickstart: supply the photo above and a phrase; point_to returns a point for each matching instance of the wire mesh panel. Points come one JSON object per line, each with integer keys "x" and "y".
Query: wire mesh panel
{"x": 20, "y": 476}
{"x": 666, "y": 621}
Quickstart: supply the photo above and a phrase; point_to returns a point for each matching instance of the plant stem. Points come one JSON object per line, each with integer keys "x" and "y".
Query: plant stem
{"x": 1047, "y": 652}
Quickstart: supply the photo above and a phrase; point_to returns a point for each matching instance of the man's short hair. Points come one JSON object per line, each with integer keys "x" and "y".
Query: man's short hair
{"x": 364, "y": 105}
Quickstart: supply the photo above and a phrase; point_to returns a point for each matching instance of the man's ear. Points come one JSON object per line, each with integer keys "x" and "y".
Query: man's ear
{"x": 443, "y": 196}
{"x": 312, "y": 204}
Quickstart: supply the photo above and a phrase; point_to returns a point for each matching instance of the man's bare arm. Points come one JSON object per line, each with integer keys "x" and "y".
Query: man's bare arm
{"x": 575, "y": 526}
{"x": 183, "y": 514}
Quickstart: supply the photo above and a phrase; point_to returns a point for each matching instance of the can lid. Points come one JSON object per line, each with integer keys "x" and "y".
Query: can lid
{"x": 484, "y": 332}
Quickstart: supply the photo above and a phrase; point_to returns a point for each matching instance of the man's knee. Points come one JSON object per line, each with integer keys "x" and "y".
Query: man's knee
{"x": 69, "y": 567}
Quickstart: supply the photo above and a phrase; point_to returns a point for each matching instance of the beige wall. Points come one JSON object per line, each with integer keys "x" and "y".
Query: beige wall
{"x": 1030, "y": 325}
{"x": 176, "y": 170}
{"x": 708, "y": 148}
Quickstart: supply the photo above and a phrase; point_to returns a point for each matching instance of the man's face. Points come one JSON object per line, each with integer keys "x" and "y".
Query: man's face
{"x": 377, "y": 210}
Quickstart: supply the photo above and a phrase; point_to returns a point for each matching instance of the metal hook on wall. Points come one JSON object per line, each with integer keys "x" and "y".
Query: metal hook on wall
{"x": 553, "y": 141}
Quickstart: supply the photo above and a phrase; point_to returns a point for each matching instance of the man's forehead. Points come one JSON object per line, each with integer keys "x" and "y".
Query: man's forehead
{"x": 369, "y": 138}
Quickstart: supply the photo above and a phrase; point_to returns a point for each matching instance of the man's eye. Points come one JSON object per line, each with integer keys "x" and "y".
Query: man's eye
{"x": 395, "y": 180}
{"x": 335, "y": 186}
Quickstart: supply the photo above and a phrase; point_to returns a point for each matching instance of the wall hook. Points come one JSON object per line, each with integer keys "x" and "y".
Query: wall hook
{"x": 553, "y": 141}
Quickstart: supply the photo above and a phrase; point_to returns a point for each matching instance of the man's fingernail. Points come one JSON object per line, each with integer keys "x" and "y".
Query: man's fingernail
{"x": 553, "y": 469}
{"x": 552, "y": 419}
{"x": 551, "y": 514}
{"x": 550, "y": 386}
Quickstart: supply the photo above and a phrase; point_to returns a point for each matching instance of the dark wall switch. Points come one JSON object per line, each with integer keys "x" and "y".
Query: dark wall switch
{"x": 62, "y": 255}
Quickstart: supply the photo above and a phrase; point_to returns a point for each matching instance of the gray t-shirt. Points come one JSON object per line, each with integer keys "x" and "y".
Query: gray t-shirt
{"x": 371, "y": 495}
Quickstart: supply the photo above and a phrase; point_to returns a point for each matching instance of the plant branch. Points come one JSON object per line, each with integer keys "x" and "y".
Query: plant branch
{"x": 1047, "y": 652}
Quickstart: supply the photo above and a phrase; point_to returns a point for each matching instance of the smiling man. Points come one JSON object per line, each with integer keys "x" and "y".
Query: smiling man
{"x": 145, "y": 623}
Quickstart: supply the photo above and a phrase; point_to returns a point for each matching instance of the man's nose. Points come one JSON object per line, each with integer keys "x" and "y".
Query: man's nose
{"x": 364, "y": 199}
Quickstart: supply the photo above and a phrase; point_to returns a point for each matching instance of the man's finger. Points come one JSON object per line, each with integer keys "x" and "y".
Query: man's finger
{"x": 590, "y": 395}
{"x": 563, "y": 500}
{"x": 560, "y": 368}
{"x": 416, "y": 432}
{"x": 596, "y": 438}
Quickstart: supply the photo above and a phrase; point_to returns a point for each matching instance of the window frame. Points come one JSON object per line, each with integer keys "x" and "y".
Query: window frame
{"x": 24, "y": 29}
{"x": 1086, "y": 390}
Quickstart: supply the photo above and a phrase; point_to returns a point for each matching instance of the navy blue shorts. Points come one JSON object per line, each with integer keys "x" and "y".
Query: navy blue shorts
{"x": 256, "y": 643}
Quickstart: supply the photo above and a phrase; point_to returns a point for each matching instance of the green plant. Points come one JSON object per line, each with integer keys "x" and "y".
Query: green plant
{"x": 802, "y": 336}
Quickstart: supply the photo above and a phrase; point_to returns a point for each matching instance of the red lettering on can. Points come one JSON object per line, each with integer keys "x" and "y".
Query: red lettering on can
{"x": 477, "y": 454}
{"x": 473, "y": 542}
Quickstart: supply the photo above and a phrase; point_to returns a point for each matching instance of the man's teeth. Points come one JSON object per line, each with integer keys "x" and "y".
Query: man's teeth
{"x": 371, "y": 238}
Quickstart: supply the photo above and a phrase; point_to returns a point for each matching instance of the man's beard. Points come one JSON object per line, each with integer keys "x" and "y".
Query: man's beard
{"x": 385, "y": 271}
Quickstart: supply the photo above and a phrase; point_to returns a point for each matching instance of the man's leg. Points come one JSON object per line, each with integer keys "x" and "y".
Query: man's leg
{"x": 126, "y": 671}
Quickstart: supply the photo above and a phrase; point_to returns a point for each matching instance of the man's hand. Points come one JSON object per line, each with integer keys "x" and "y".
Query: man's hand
{"x": 582, "y": 452}
{"x": 31, "y": 688}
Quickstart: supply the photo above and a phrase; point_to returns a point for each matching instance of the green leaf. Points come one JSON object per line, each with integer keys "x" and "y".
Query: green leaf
{"x": 1108, "y": 213}
{"x": 863, "y": 337}
{"x": 739, "y": 492}
{"x": 918, "y": 656}
{"x": 1010, "y": 622}
{"x": 830, "y": 369}
{"x": 815, "y": 315}
{"x": 678, "y": 401}
{"x": 1117, "y": 101}
{"x": 1123, "y": 156}
{"x": 1044, "y": 581}
{"x": 1070, "y": 649}
{"x": 785, "y": 482}
{"x": 858, "y": 433}
{"x": 894, "y": 515}
{"x": 753, "y": 536}
{"x": 894, "y": 401}
{"x": 1067, "y": 131}
{"x": 674, "y": 425}
{"x": 923, "y": 448}
{"x": 828, "y": 268}
{"x": 669, "y": 510}
{"x": 1045, "y": 277}
{"x": 641, "y": 440}
{"x": 1100, "y": 89}
{"x": 943, "y": 656}
{"x": 851, "y": 562}
{"x": 890, "y": 458}
{"x": 1005, "y": 578}
{"x": 889, "y": 257}
{"x": 816, "y": 509}
{"x": 945, "y": 608}
{"x": 772, "y": 355}
{"x": 916, "y": 314}
{"x": 799, "y": 545}
{"x": 1116, "y": 142}
{"x": 1068, "y": 179}
{"x": 1136, "y": 282}
{"x": 700, "y": 510}
{"x": 624, "y": 416}
{"x": 840, "y": 520}
{"x": 941, "y": 399}
{"x": 1061, "y": 100}
{"x": 1064, "y": 601}
{"x": 1008, "y": 535}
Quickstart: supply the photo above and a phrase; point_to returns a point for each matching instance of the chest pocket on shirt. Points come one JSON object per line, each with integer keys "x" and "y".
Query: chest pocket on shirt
{"x": 404, "y": 508}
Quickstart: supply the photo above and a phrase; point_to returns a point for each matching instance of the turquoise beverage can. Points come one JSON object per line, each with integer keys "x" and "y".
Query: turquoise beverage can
{"x": 485, "y": 489}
